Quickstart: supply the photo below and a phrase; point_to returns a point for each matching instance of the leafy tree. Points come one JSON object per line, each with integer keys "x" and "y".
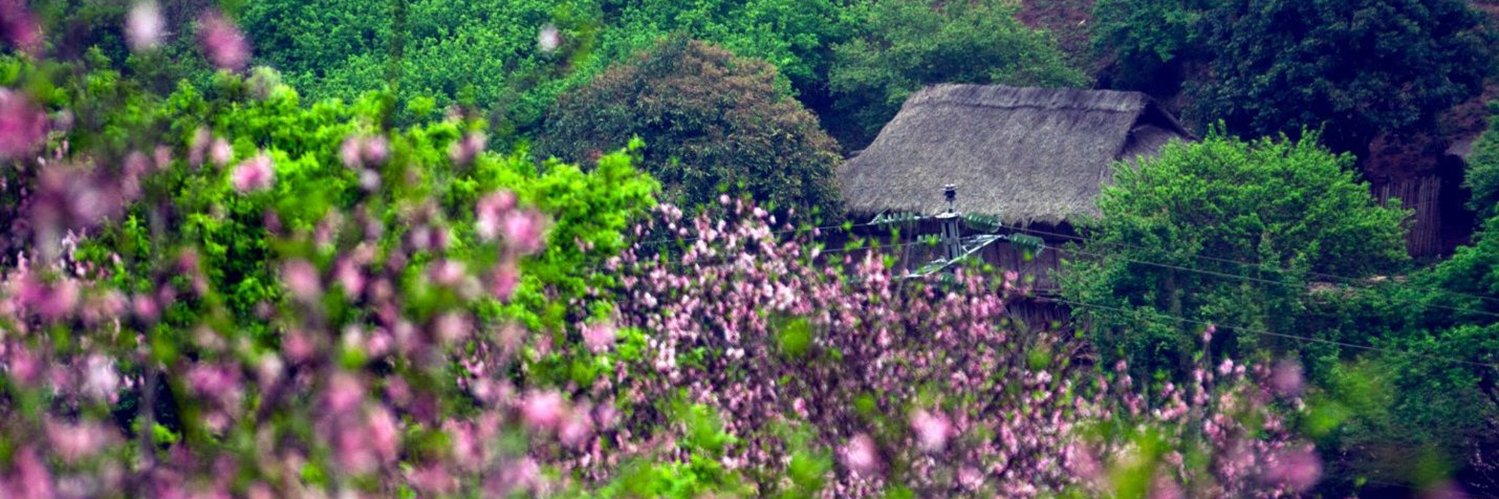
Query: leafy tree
{"x": 1482, "y": 175}
{"x": 796, "y": 36}
{"x": 903, "y": 45}
{"x": 1429, "y": 389}
{"x": 711, "y": 122}
{"x": 1359, "y": 68}
{"x": 1225, "y": 232}
{"x": 483, "y": 54}
{"x": 486, "y": 54}
{"x": 1146, "y": 37}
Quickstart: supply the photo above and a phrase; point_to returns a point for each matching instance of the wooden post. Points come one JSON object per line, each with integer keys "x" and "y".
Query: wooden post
{"x": 952, "y": 238}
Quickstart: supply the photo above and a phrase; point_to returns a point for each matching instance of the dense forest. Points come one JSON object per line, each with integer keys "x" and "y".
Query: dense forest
{"x": 486, "y": 248}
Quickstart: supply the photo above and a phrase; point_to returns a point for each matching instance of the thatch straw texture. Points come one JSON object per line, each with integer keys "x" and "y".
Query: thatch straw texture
{"x": 1025, "y": 155}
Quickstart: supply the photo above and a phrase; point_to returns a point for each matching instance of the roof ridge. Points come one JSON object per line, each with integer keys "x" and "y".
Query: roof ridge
{"x": 1008, "y": 97}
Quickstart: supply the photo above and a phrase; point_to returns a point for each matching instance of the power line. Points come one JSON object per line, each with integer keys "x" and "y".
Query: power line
{"x": 1272, "y": 333}
{"x": 1411, "y": 300}
{"x": 1260, "y": 266}
{"x": 666, "y": 240}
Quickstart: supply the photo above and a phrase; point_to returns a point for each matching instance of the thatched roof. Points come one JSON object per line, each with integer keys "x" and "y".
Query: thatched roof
{"x": 1022, "y": 154}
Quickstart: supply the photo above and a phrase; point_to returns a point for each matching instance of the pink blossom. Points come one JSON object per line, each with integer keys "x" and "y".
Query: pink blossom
{"x": 1297, "y": 470}
{"x": 75, "y": 442}
{"x": 504, "y": 280}
{"x": 349, "y": 152}
{"x": 144, "y": 307}
{"x": 369, "y": 180}
{"x": 451, "y": 327}
{"x": 542, "y": 409}
{"x": 523, "y": 231}
{"x": 932, "y": 430}
{"x": 599, "y": 337}
{"x": 354, "y": 449}
{"x": 223, "y": 42}
{"x": 1286, "y": 378}
{"x": 50, "y": 301}
{"x": 344, "y": 393}
{"x": 384, "y": 435}
{"x": 143, "y": 25}
{"x": 23, "y": 125}
{"x": 198, "y": 147}
{"x": 970, "y": 477}
{"x": 489, "y": 212}
{"x": 100, "y": 378}
{"x": 350, "y": 278}
{"x": 357, "y": 151}
{"x": 860, "y": 454}
{"x": 254, "y": 174}
{"x": 1165, "y": 488}
{"x": 30, "y": 479}
{"x": 24, "y": 367}
{"x": 375, "y": 150}
{"x": 466, "y": 149}
{"x": 302, "y": 279}
{"x": 514, "y": 476}
{"x": 20, "y": 27}
{"x": 549, "y": 38}
{"x": 576, "y": 428}
{"x": 220, "y": 152}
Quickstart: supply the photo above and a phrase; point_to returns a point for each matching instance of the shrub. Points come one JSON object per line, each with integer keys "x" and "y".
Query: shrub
{"x": 711, "y": 122}
{"x": 1223, "y": 231}
{"x": 1482, "y": 175}
{"x": 1357, "y": 68}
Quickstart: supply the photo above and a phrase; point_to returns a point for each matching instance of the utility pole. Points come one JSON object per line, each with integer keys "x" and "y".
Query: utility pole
{"x": 952, "y": 238}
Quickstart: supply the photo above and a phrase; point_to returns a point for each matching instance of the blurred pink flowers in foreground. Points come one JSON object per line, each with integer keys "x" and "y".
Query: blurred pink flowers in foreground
{"x": 932, "y": 430}
{"x": 254, "y": 174}
{"x": 143, "y": 26}
{"x": 23, "y": 125}
{"x": 223, "y": 42}
{"x": 1297, "y": 469}
{"x": 860, "y": 454}
{"x": 549, "y": 38}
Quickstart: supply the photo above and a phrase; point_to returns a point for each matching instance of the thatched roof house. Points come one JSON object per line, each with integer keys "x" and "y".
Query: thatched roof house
{"x": 1025, "y": 155}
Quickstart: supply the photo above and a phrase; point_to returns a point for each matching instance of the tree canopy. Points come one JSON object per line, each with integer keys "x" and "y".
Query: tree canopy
{"x": 1356, "y": 68}
{"x": 712, "y": 123}
{"x": 903, "y": 45}
{"x": 1224, "y": 231}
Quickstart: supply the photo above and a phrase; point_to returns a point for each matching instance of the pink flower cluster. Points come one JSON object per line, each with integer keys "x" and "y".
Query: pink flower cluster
{"x": 407, "y": 385}
{"x": 925, "y": 383}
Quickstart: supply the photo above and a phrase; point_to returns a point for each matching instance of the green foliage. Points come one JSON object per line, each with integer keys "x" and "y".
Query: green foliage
{"x": 591, "y": 213}
{"x": 794, "y": 337}
{"x": 710, "y": 121}
{"x": 1173, "y": 227}
{"x": 482, "y": 54}
{"x": 1358, "y": 67}
{"x": 1445, "y": 312}
{"x": 1145, "y": 36}
{"x": 485, "y": 54}
{"x": 794, "y": 35}
{"x": 227, "y": 232}
{"x": 699, "y": 474}
{"x": 1482, "y": 175}
{"x": 903, "y": 45}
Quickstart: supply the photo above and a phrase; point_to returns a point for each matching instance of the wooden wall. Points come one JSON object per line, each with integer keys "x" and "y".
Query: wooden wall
{"x": 1423, "y": 195}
